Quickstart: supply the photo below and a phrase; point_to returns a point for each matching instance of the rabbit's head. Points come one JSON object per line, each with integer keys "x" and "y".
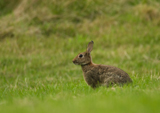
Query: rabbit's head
{"x": 84, "y": 57}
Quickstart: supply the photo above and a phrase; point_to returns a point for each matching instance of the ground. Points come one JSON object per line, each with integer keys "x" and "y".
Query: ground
{"x": 39, "y": 39}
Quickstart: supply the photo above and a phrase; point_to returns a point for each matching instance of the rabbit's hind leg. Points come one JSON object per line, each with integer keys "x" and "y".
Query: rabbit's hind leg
{"x": 110, "y": 81}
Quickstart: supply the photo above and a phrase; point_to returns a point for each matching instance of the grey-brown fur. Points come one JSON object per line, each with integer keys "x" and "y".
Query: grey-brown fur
{"x": 96, "y": 75}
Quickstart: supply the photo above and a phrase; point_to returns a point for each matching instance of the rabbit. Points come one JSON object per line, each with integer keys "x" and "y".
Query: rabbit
{"x": 99, "y": 75}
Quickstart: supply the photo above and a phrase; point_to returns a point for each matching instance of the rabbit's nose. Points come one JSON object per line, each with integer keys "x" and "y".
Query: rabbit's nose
{"x": 74, "y": 61}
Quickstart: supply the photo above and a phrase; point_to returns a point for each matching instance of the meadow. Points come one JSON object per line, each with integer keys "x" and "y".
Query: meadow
{"x": 39, "y": 39}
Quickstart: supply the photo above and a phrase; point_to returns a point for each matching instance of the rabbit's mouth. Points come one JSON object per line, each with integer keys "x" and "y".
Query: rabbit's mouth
{"x": 75, "y": 62}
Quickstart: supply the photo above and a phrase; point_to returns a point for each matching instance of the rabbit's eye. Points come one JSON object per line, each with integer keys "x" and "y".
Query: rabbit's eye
{"x": 80, "y": 56}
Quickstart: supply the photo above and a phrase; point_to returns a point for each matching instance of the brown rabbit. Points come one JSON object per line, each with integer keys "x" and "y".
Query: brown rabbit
{"x": 95, "y": 74}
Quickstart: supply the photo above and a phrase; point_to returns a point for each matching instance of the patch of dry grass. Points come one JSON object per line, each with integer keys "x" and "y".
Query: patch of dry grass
{"x": 72, "y": 18}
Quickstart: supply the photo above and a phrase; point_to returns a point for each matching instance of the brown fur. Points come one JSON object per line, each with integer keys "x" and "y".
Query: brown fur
{"x": 96, "y": 75}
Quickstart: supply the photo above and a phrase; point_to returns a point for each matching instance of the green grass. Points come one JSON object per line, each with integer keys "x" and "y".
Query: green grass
{"x": 36, "y": 52}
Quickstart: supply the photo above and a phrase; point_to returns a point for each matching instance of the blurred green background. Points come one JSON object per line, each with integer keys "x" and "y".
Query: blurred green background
{"x": 39, "y": 39}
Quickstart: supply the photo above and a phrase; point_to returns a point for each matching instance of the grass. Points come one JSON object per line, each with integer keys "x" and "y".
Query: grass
{"x": 36, "y": 52}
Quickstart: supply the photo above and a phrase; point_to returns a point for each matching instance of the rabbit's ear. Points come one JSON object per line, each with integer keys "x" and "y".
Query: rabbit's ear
{"x": 90, "y": 46}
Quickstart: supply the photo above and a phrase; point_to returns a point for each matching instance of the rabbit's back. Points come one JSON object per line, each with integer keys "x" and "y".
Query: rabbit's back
{"x": 104, "y": 75}
{"x": 112, "y": 74}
